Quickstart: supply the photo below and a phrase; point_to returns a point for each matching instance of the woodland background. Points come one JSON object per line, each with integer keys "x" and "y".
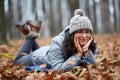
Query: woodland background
{"x": 56, "y": 14}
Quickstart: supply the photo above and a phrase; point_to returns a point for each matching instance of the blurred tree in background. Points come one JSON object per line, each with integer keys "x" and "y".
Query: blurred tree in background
{"x": 56, "y": 14}
{"x": 3, "y": 26}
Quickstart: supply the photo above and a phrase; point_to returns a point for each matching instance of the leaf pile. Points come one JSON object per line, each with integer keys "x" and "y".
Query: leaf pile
{"x": 107, "y": 66}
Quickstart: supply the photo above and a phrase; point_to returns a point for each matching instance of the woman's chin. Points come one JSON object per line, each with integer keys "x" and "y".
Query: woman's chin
{"x": 82, "y": 45}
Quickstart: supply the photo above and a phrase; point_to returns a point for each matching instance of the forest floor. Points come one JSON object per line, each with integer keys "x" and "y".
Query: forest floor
{"x": 107, "y": 66}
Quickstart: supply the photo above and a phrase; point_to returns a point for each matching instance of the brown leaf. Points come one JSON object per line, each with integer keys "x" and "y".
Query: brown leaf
{"x": 49, "y": 77}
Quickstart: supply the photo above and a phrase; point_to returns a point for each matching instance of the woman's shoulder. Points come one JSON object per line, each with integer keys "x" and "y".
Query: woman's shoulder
{"x": 61, "y": 36}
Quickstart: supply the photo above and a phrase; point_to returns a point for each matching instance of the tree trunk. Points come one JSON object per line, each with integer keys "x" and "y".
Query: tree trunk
{"x": 65, "y": 16}
{"x": 56, "y": 16}
{"x": 15, "y": 11}
{"x": 82, "y": 4}
{"x": 111, "y": 16}
{"x": 47, "y": 23}
{"x": 3, "y": 38}
{"x": 98, "y": 17}
{"x": 117, "y": 16}
{"x": 92, "y": 13}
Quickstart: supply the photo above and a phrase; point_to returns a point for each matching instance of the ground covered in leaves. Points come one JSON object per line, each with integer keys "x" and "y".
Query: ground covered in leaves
{"x": 107, "y": 66}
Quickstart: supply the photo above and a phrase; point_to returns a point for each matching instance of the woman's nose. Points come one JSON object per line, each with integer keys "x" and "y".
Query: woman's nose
{"x": 84, "y": 34}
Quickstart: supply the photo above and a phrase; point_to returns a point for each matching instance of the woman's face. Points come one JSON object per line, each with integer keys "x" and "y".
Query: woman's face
{"x": 83, "y": 36}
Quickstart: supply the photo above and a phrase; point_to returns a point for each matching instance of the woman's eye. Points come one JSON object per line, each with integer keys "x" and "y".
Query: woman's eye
{"x": 88, "y": 31}
{"x": 79, "y": 32}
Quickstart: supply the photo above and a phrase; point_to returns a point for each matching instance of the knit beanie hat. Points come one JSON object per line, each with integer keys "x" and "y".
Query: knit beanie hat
{"x": 79, "y": 21}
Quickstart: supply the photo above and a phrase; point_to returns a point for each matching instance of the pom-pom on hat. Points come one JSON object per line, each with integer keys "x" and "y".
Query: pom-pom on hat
{"x": 79, "y": 21}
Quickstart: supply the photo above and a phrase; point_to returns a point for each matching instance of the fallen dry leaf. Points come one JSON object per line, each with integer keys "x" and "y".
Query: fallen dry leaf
{"x": 107, "y": 66}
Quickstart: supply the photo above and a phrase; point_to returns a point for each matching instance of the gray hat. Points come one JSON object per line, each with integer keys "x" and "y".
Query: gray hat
{"x": 79, "y": 21}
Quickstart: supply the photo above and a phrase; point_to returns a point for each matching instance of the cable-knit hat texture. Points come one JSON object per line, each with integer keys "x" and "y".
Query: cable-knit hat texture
{"x": 79, "y": 21}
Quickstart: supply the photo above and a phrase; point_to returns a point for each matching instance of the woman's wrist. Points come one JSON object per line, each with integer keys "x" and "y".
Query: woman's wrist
{"x": 86, "y": 53}
{"x": 79, "y": 54}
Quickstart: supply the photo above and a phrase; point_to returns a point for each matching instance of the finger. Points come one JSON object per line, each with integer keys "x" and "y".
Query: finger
{"x": 78, "y": 45}
{"x": 89, "y": 42}
{"x": 75, "y": 41}
{"x": 91, "y": 37}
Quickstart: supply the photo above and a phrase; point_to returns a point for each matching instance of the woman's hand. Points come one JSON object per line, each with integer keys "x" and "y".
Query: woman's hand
{"x": 85, "y": 48}
{"x": 78, "y": 47}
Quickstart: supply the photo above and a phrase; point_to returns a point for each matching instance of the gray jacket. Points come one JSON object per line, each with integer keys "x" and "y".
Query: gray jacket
{"x": 55, "y": 56}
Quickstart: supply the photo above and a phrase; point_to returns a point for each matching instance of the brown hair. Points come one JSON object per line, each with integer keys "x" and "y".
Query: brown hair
{"x": 68, "y": 44}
